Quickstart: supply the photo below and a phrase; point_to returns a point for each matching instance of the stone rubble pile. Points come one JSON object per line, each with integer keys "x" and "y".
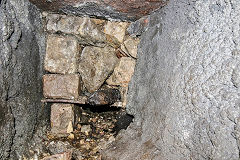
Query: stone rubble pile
{"x": 88, "y": 61}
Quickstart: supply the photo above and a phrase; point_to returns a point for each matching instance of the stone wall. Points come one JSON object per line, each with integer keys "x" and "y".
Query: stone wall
{"x": 85, "y": 55}
{"x": 89, "y": 64}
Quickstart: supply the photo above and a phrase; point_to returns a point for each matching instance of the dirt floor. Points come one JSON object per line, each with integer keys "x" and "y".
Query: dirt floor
{"x": 96, "y": 128}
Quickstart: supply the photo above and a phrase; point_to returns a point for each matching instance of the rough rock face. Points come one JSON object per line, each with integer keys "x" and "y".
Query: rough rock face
{"x": 22, "y": 47}
{"x": 112, "y": 9}
{"x": 184, "y": 94}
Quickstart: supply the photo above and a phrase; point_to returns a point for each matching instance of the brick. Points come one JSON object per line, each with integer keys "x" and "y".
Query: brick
{"x": 58, "y": 86}
{"x": 63, "y": 117}
{"x": 62, "y": 54}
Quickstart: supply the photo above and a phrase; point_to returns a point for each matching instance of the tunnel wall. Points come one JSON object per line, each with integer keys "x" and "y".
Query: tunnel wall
{"x": 22, "y": 47}
{"x": 184, "y": 94}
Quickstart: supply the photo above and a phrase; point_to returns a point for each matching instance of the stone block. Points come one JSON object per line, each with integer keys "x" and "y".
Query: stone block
{"x": 61, "y": 156}
{"x": 62, "y": 54}
{"x": 83, "y": 28}
{"x": 95, "y": 66}
{"x": 116, "y": 29}
{"x": 58, "y": 86}
{"x": 130, "y": 46}
{"x": 123, "y": 72}
{"x": 63, "y": 117}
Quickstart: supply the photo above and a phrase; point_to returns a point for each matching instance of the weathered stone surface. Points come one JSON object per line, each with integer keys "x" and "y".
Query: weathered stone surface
{"x": 111, "y": 9}
{"x": 62, "y": 54}
{"x": 63, "y": 117}
{"x": 95, "y": 66}
{"x": 104, "y": 97}
{"x": 61, "y": 156}
{"x": 130, "y": 46}
{"x": 116, "y": 29}
{"x": 123, "y": 72}
{"x": 58, "y": 86}
{"x": 182, "y": 95}
{"x": 83, "y": 28}
{"x": 22, "y": 44}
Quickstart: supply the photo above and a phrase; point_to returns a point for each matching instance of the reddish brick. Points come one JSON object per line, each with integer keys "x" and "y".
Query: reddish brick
{"x": 58, "y": 86}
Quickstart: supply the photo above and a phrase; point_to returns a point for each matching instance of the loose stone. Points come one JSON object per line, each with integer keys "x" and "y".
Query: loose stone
{"x": 61, "y": 156}
{"x": 86, "y": 128}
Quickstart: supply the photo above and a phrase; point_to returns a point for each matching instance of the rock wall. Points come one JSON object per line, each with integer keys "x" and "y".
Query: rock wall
{"x": 22, "y": 46}
{"x": 185, "y": 90}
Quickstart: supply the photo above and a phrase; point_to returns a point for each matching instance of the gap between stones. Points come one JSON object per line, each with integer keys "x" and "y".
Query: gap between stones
{"x": 89, "y": 63}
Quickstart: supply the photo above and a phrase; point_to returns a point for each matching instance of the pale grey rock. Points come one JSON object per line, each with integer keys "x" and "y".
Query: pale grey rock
{"x": 95, "y": 66}
{"x": 183, "y": 96}
{"x": 62, "y": 54}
